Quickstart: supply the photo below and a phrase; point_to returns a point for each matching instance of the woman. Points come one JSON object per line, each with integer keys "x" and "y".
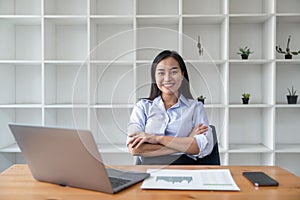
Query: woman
{"x": 169, "y": 127}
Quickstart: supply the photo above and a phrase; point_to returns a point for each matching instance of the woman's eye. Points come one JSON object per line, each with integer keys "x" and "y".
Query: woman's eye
{"x": 174, "y": 72}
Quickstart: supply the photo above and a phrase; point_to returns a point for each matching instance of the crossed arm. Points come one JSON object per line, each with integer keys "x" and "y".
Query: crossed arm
{"x": 148, "y": 145}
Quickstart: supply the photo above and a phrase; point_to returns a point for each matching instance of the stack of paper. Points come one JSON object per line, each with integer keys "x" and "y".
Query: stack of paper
{"x": 208, "y": 179}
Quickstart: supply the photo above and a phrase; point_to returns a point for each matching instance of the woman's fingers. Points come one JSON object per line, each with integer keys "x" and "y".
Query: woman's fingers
{"x": 142, "y": 141}
{"x": 199, "y": 129}
{"x": 137, "y": 139}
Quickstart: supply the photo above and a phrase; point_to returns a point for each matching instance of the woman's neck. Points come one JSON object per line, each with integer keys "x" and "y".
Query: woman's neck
{"x": 169, "y": 100}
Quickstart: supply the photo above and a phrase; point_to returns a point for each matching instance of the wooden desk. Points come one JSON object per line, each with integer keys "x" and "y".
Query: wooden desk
{"x": 17, "y": 183}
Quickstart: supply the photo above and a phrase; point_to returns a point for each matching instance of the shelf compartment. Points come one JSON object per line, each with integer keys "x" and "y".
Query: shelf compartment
{"x": 65, "y": 39}
{"x": 119, "y": 152}
{"x": 251, "y": 78}
{"x": 111, "y": 84}
{"x": 211, "y": 35}
{"x": 111, "y": 7}
{"x": 111, "y": 32}
{"x": 288, "y": 148}
{"x": 20, "y": 39}
{"x": 291, "y": 6}
{"x": 251, "y": 7}
{"x": 21, "y": 62}
{"x": 287, "y": 105}
{"x": 20, "y": 84}
{"x": 20, "y": 7}
{"x": 103, "y": 148}
{"x": 11, "y": 148}
{"x": 21, "y": 106}
{"x": 256, "y": 34}
{"x": 75, "y": 118}
{"x": 113, "y": 106}
{"x": 65, "y": 7}
{"x": 216, "y": 117}
{"x": 287, "y": 61}
{"x": 250, "y": 105}
{"x": 288, "y": 18}
{"x": 143, "y": 80}
{"x": 167, "y": 30}
{"x": 288, "y": 161}
{"x": 251, "y": 159}
{"x": 66, "y": 84}
{"x": 111, "y": 149}
{"x": 287, "y": 127}
{"x": 259, "y": 131}
{"x": 251, "y": 61}
{"x": 249, "y": 18}
{"x": 16, "y": 115}
{"x": 207, "y": 80}
{"x": 288, "y": 25}
{"x": 249, "y": 148}
{"x": 109, "y": 126}
{"x": 155, "y": 7}
{"x": 287, "y": 75}
{"x": 203, "y": 7}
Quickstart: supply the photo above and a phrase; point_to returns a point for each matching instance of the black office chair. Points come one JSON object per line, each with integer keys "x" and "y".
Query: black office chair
{"x": 214, "y": 157}
{"x": 211, "y": 159}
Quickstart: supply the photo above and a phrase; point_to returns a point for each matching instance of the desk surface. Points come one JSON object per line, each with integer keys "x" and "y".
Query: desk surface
{"x": 18, "y": 183}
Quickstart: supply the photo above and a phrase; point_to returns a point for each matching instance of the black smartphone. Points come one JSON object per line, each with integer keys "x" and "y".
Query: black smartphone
{"x": 260, "y": 179}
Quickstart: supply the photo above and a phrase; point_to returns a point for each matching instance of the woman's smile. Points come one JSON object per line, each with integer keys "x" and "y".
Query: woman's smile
{"x": 168, "y": 76}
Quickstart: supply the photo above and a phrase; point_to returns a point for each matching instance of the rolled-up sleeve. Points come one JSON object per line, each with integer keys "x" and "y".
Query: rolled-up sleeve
{"x": 205, "y": 143}
{"x": 137, "y": 119}
{"x": 205, "y": 140}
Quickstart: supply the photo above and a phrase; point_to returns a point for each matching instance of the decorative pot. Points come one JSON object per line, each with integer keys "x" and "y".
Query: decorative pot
{"x": 244, "y": 56}
{"x": 292, "y": 99}
{"x": 288, "y": 56}
{"x": 245, "y": 100}
{"x": 202, "y": 100}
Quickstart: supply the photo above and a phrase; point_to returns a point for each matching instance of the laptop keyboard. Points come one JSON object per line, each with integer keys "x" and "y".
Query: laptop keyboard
{"x": 116, "y": 182}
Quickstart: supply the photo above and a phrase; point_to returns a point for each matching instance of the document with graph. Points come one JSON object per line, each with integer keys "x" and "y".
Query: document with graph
{"x": 206, "y": 179}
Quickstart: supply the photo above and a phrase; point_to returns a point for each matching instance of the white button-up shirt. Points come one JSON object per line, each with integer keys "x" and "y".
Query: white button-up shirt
{"x": 178, "y": 121}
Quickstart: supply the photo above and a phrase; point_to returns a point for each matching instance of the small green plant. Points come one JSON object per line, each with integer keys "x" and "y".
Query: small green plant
{"x": 244, "y": 52}
{"x": 246, "y": 95}
{"x": 292, "y": 92}
{"x": 288, "y": 53}
{"x": 245, "y": 98}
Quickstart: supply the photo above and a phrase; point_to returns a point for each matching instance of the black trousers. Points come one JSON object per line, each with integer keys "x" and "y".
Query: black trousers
{"x": 173, "y": 160}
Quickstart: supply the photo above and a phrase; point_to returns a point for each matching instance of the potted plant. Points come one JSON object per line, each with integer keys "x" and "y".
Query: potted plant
{"x": 245, "y": 98}
{"x": 201, "y": 98}
{"x": 292, "y": 97}
{"x": 244, "y": 52}
{"x": 288, "y": 53}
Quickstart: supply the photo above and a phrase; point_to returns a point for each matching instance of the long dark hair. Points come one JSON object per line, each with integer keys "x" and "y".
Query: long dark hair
{"x": 185, "y": 85}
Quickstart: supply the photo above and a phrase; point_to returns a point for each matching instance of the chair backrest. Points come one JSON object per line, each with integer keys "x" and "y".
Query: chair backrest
{"x": 211, "y": 159}
{"x": 214, "y": 157}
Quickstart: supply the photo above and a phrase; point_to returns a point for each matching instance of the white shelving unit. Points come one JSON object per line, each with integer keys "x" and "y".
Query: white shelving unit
{"x": 84, "y": 63}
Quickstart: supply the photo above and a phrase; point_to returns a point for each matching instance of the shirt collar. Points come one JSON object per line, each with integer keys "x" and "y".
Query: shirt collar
{"x": 182, "y": 99}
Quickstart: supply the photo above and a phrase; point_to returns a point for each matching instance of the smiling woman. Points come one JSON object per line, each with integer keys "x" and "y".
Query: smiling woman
{"x": 169, "y": 127}
{"x": 168, "y": 79}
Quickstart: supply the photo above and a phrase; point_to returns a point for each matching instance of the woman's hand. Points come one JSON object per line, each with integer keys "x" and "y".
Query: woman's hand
{"x": 138, "y": 138}
{"x": 198, "y": 129}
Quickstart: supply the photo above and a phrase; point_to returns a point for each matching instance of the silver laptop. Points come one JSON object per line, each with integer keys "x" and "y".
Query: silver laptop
{"x": 69, "y": 158}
